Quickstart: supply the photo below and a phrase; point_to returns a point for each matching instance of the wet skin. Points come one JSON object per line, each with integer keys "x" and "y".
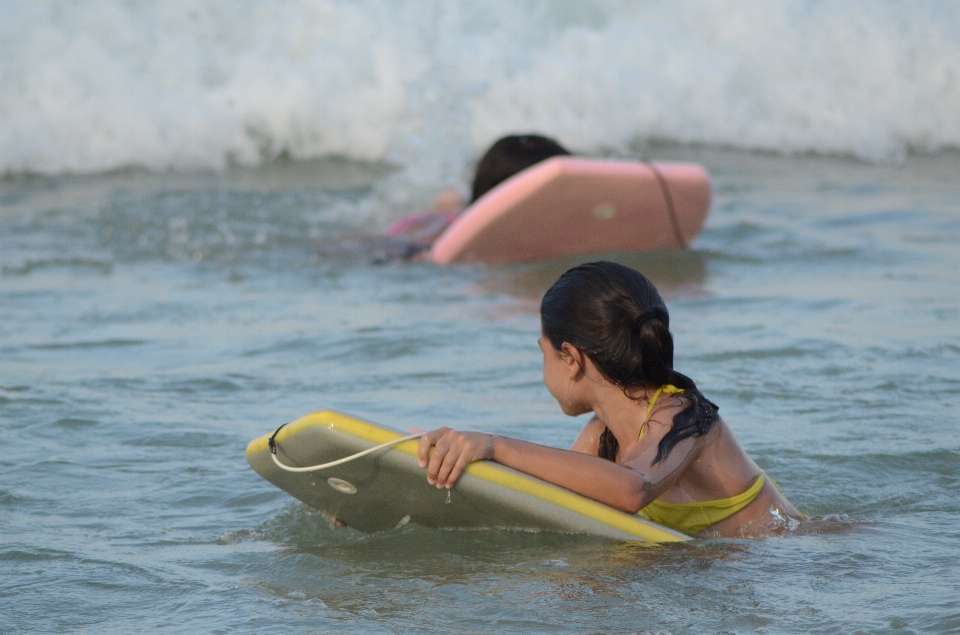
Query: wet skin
{"x": 703, "y": 468}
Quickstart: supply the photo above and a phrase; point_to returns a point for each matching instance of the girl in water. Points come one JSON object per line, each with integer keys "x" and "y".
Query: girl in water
{"x": 655, "y": 446}
{"x": 413, "y": 235}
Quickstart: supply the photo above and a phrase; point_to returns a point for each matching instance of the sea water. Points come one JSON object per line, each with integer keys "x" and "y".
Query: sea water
{"x": 190, "y": 191}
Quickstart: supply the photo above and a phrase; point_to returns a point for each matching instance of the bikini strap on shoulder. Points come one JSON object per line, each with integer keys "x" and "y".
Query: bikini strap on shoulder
{"x": 666, "y": 389}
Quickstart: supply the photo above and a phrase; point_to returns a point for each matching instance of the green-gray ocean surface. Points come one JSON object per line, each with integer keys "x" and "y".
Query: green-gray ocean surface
{"x": 151, "y": 325}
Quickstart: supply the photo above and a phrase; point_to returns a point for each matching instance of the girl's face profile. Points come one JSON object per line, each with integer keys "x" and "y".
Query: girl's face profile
{"x": 555, "y": 373}
{"x": 552, "y": 367}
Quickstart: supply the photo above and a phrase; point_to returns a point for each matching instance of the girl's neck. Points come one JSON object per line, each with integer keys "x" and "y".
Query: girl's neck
{"x": 623, "y": 413}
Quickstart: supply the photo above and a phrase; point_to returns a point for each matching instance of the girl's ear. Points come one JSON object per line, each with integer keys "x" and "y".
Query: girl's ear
{"x": 573, "y": 357}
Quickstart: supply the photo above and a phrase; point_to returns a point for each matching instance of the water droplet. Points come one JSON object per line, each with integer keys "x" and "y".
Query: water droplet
{"x": 447, "y": 502}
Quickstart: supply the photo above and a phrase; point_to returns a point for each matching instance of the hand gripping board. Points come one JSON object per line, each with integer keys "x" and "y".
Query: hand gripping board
{"x": 388, "y": 488}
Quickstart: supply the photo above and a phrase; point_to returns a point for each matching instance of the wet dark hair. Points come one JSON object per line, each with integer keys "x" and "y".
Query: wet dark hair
{"x": 510, "y": 155}
{"x": 615, "y": 316}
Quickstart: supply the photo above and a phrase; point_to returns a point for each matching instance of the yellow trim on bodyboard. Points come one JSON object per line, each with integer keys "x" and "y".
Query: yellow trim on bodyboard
{"x": 488, "y": 471}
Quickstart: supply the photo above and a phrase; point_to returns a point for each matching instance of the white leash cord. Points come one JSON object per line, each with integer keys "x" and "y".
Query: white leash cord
{"x": 323, "y": 466}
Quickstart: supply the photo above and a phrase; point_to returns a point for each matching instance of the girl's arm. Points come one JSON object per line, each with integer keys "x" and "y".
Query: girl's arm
{"x": 624, "y": 487}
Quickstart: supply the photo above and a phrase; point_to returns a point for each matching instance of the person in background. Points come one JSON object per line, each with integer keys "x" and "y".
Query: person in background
{"x": 415, "y": 234}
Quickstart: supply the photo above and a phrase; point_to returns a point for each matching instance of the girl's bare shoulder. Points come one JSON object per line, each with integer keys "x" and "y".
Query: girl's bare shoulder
{"x": 588, "y": 441}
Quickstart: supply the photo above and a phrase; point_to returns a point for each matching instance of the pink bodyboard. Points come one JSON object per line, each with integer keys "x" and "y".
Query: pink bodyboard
{"x": 567, "y": 205}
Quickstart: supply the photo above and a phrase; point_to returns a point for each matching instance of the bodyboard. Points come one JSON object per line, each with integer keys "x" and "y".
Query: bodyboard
{"x": 387, "y": 488}
{"x": 568, "y": 205}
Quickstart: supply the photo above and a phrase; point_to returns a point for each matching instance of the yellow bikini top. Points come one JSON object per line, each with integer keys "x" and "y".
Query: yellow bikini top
{"x": 690, "y": 518}
{"x": 666, "y": 389}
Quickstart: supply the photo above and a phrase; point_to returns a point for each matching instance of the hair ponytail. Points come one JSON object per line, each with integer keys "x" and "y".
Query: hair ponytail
{"x": 615, "y": 315}
{"x": 693, "y": 421}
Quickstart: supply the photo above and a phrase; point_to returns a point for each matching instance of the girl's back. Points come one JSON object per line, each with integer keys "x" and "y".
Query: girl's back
{"x": 721, "y": 471}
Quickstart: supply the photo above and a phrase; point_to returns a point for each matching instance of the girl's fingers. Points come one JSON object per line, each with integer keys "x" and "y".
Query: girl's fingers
{"x": 441, "y": 457}
{"x": 444, "y": 469}
{"x": 465, "y": 448}
{"x": 452, "y": 452}
{"x": 462, "y": 462}
{"x": 426, "y": 442}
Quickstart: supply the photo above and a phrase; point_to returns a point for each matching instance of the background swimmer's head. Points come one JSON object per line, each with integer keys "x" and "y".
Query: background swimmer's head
{"x": 510, "y": 155}
{"x": 617, "y": 318}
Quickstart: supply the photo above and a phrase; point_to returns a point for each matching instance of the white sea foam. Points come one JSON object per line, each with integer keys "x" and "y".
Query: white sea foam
{"x": 87, "y": 86}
